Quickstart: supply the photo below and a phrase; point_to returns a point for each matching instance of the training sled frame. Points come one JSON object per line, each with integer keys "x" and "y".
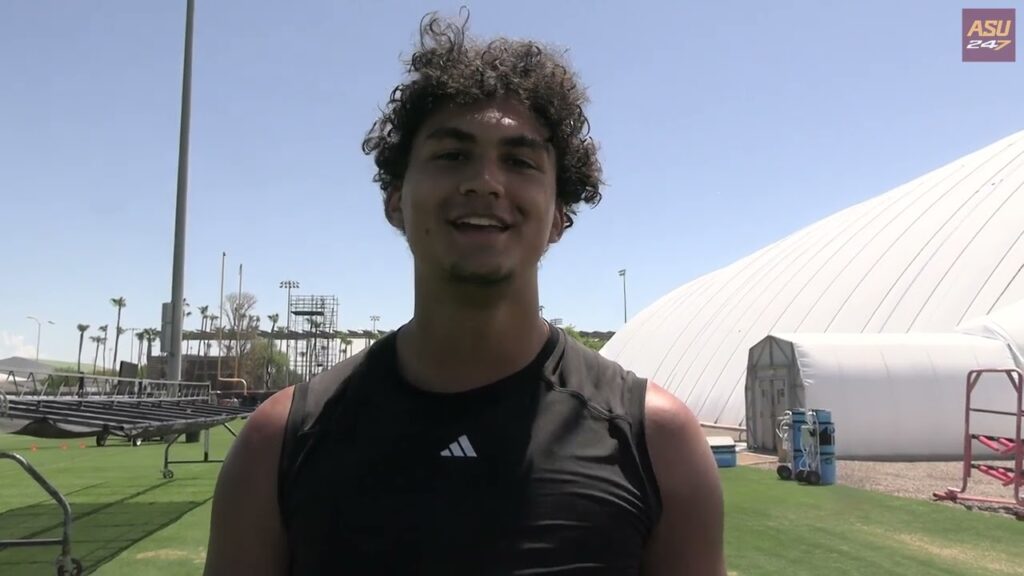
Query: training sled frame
{"x": 1003, "y": 447}
{"x": 79, "y": 406}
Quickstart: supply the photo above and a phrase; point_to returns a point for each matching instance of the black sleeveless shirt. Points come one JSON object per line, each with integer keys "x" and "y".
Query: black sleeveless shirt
{"x": 543, "y": 472}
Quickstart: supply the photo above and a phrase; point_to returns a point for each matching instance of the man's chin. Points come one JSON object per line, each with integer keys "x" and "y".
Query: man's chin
{"x": 479, "y": 276}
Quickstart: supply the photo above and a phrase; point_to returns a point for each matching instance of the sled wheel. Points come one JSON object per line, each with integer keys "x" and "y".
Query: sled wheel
{"x": 76, "y": 568}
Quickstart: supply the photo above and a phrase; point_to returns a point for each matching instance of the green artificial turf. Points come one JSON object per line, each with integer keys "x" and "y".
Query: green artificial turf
{"x": 776, "y": 527}
{"x": 131, "y": 521}
{"x": 123, "y": 507}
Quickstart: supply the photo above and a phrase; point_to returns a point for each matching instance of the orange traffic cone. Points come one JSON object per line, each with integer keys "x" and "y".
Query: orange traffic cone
{"x": 64, "y": 446}
{"x": 34, "y": 448}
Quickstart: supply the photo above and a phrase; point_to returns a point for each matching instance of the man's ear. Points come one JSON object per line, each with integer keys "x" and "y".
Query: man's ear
{"x": 393, "y": 208}
{"x": 557, "y": 224}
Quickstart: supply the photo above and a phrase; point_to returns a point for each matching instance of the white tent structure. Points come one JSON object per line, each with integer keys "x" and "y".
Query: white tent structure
{"x": 1005, "y": 323}
{"x": 926, "y": 256}
{"x": 892, "y": 396}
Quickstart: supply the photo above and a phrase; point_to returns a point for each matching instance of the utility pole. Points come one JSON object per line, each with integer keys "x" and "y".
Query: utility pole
{"x": 623, "y": 274}
{"x": 39, "y": 332}
{"x": 178, "y": 273}
{"x": 374, "y": 319}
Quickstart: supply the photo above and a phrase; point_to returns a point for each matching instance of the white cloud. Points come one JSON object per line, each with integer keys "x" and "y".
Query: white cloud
{"x": 14, "y": 345}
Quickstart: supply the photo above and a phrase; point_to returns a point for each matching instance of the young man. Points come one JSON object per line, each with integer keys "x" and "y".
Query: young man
{"x": 477, "y": 439}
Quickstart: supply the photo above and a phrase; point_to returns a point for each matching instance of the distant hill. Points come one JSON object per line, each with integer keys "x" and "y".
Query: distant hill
{"x": 61, "y": 364}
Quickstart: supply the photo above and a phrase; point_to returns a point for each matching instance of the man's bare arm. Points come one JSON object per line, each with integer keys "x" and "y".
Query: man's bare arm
{"x": 689, "y": 537}
{"x": 246, "y": 535}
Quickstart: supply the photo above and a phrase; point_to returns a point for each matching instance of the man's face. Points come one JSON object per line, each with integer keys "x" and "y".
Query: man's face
{"x": 479, "y": 197}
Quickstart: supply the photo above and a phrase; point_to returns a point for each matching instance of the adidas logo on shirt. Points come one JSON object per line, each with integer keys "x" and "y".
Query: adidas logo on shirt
{"x": 461, "y": 448}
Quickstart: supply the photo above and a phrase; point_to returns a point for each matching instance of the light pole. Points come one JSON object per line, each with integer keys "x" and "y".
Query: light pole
{"x": 131, "y": 346}
{"x": 288, "y": 284}
{"x": 374, "y": 319}
{"x": 39, "y": 332}
{"x": 178, "y": 273}
{"x": 623, "y": 274}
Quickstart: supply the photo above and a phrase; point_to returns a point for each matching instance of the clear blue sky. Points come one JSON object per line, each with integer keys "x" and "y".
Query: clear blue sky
{"x": 723, "y": 127}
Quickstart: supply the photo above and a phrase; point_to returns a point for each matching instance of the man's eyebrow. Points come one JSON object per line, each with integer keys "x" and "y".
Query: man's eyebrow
{"x": 450, "y": 133}
{"x": 524, "y": 141}
{"x": 462, "y": 136}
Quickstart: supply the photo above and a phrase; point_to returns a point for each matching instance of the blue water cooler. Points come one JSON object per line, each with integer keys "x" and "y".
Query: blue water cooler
{"x": 826, "y": 433}
{"x": 798, "y": 421}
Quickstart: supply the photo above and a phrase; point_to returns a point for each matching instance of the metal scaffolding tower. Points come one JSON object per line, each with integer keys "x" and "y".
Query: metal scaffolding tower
{"x": 313, "y": 324}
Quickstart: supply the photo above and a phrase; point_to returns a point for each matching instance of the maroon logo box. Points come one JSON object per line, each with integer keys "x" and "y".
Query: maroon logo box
{"x": 989, "y": 35}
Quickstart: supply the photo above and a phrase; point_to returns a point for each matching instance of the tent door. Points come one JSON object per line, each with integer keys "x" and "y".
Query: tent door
{"x": 772, "y": 403}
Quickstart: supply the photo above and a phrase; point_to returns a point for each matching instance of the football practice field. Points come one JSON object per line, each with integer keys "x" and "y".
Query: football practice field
{"x": 129, "y": 520}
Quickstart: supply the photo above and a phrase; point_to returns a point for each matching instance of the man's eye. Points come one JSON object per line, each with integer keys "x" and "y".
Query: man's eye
{"x": 519, "y": 162}
{"x": 450, "y": 156}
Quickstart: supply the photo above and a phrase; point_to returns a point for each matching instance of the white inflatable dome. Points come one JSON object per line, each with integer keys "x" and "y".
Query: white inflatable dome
{"x": 942, "y": 251}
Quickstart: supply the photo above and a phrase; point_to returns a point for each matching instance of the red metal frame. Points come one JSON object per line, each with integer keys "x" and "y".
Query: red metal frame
{"x": 1002, "y": 446}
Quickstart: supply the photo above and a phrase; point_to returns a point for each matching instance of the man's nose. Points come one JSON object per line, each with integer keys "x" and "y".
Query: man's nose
{"x": 483, "y": 177}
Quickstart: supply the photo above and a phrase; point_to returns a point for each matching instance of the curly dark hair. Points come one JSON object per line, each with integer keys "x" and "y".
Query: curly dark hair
{"x": 451, "y": 68}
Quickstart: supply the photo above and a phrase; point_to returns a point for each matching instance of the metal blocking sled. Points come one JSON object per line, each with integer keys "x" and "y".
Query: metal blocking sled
{"x": 66, "y": 564}
{"x": 1001, "y": 446}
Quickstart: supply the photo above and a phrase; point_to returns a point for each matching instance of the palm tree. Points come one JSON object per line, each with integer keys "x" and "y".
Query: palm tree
{"x": 270, "y": 349}
{"x": 185, "y": 313}
{"x": 203, "y": 311}
{"x": 118, "y": 303}
{"x": 81, "y": 340}
{"x": 151, "y": 334}
{"x": 213, "y": 318}
{"x": 104, "y": 330}
{"x": 98, "y": 340}
{"x": 140, "y": 336}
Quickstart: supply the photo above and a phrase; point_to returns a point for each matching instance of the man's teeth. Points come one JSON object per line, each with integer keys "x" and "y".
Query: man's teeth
{"x": 480, "y": 221}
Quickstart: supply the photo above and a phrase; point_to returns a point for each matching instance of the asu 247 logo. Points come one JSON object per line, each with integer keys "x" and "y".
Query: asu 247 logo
{"x": 989, "y": 35}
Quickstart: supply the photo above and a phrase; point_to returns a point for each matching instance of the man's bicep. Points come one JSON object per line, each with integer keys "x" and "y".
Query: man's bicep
{"x": 688, "y": 539}
{"x": 246, "y": 535}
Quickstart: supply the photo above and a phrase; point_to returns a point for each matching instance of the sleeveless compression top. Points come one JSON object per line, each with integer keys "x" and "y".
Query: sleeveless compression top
{"x": 543, "y": 472}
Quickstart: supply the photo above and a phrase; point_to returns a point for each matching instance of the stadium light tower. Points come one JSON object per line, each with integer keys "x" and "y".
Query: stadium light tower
{"x": 288, "y": 285}
{"x": 178, "y": 273}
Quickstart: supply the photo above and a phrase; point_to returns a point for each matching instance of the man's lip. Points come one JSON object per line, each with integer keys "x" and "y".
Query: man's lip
{"x": 502, "y": 223}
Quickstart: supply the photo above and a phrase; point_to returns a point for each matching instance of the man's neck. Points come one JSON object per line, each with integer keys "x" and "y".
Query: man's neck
{"x": 458, "y": 341}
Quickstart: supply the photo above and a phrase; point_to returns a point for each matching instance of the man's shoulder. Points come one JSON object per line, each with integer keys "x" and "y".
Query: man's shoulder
{"x": 601, "y": 381}
{"x": 589, "y": 363}
{"x": 689, "y": 533}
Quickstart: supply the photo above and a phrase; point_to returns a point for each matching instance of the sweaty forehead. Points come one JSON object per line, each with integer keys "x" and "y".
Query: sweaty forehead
{"x": 494, "y": 116}
{"x": 497, "y": 116}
